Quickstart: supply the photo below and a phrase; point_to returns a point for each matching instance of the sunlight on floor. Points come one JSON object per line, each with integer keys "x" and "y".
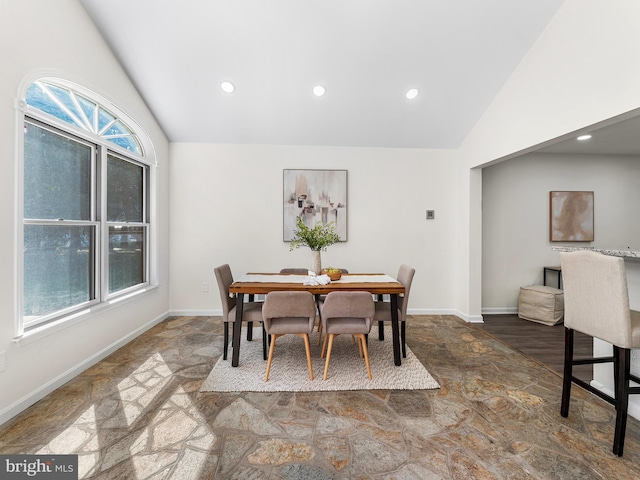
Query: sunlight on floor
{"x": 177, "y": 434}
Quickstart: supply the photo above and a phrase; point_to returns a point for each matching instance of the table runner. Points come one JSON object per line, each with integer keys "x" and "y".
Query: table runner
{"x": 260, "y": 278}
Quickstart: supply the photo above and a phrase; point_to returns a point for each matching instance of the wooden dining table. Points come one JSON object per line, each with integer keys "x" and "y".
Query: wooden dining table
{"x": 263, "y": 283}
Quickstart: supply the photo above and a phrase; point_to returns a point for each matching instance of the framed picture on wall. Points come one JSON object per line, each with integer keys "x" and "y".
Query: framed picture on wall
{"x": 317, "y": 196}
{"x": 571, "y": 216}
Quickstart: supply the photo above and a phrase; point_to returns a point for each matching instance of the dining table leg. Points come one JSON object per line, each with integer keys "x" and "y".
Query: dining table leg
{"x": 250, "y": 324}
{"x": 237, "y": 330}
{"x": 394, "y": 329}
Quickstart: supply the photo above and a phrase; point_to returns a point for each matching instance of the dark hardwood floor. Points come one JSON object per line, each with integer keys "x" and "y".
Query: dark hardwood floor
{"x": 540, "y": 342}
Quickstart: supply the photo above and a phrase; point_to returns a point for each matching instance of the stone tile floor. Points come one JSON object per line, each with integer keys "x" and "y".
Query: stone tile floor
{"x": 138, "y": 414}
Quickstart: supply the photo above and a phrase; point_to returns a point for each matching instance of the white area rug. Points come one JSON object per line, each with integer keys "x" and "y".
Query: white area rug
{"x": 289, "y": 373}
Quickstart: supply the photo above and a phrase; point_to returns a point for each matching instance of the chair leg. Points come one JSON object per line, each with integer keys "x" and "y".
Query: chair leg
{"x": 317, "y": 300}
{"x": 403, "y": 337}
{"x": 319, "y": 330}
{"x": 568, "y": 371}
{"x": 356, "y": 339}
{"x": 273, "y": 344}
{"x": 225, "y": 348}
{"x": 616, "y": 374}
{"x": 622, "y": 357}
{"x": 264, "y": 343}
{"x": 324, "y": 346}
{"x": 307, "y": 347}
{"x": 326, "y": 363}
{"x": 363, "y": 342}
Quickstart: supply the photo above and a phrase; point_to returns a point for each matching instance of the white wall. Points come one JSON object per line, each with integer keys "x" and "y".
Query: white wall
{"x": 226, "y": 207}
{"x": 57, "y": 38}
{"x": 515, "y": 216}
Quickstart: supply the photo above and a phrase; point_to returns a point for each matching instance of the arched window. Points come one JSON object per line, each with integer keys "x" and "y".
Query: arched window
{"x": 76, "y": 109}
{"x": 86, "y": 203}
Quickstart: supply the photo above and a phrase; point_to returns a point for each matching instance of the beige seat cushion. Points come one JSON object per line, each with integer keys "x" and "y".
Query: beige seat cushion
{"x": 541, "y": 304}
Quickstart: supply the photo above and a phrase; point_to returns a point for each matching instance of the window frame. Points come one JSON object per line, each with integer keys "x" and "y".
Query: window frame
{"x": 107, "y": 224}
{"x": 102, "y": 148}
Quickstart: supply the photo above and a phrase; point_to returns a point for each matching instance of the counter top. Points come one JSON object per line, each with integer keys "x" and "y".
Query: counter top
{"x": 605, "y": 251}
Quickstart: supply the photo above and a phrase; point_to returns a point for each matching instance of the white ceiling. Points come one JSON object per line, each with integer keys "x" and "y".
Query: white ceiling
{"x": 616, "y": 136}
{"x": 367, "y": 53}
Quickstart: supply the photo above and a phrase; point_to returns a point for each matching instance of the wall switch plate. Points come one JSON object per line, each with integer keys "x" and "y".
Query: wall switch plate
{"x": 205, "y": 286}
{"x": 3, "y": 361}
{"x": 431, "y": 214}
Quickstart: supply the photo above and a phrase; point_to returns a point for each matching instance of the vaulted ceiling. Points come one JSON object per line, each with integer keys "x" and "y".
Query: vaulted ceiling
{"x": 366, "y": 53}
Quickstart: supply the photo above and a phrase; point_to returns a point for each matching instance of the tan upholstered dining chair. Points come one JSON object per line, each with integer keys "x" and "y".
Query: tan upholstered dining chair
{"x": 348, "y": 313}
{"x": 596, "y": 303}
{"x": 251, "y": 311}
{"x": 383, "y": 309}
{"x": 289, "y": 313}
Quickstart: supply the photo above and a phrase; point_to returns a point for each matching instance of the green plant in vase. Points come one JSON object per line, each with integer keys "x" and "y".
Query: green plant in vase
{"x": 317, "y": 239}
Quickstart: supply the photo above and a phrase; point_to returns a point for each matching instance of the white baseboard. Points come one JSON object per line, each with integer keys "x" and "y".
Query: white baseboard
{"x": 431, "y": 311}
{"x": 500, "y": 310}
{"x": 410, "y": 311}
{"x": 25, "y": 402}
{"x": 470, "y": 318}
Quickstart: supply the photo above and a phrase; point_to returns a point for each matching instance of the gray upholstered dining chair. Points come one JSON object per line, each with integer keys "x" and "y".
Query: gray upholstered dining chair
{"x": 319, "y": 300}
{"x": 383, "y": 309}
{"x": 348, "y": 313}
{"x": 289, "y": 313}
{"x": 251, "y": 311}
{"x": 295, "y": 271}
{"x": 596, "y": 303}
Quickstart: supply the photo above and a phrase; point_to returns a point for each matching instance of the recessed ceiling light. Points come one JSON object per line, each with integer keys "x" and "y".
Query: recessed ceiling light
{"x": 319, "y": 90}
{"x": 584, "y": 137}
{"x": 227, "y": 87}
{"x": 412, "y": 93}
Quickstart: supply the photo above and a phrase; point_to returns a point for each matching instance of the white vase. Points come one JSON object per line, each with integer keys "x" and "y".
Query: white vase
{"x": 316, "y": 262}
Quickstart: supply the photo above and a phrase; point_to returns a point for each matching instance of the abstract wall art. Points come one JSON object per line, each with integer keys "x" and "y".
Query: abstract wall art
{"x": 571, "y": 216}
{"x": 317, "y": 196}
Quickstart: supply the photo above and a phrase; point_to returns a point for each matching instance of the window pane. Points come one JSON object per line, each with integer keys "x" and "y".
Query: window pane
{"x": 128, "y": 141}
{"x": 66, "y": 98}
{"x": 120, "y": 134}
{"x": 124, "y": 191}
{"x": 126, "y": 257}
{"x": 89, "y": 109}
{"x": 57, "y": 176}
{"x": 57, "y": 267}
{"x": 37, "y": 97}
{"x": 104, "y": 119}
{"x": 116, "y": 129}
